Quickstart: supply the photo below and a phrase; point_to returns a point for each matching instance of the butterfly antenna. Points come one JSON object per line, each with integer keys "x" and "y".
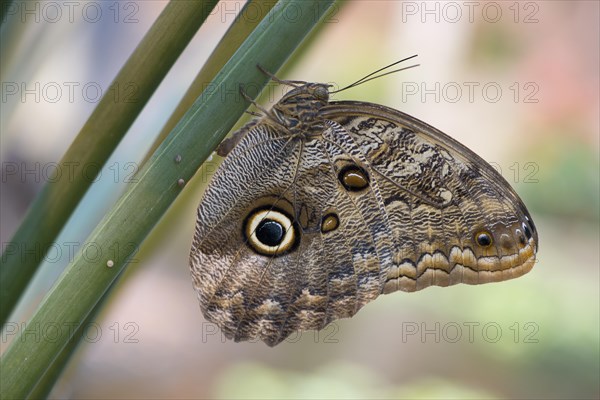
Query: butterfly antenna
{"x": 371, "y": 77}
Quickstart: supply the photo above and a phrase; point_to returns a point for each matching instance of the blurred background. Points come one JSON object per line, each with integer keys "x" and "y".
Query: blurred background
{"x": 517, "y": 82}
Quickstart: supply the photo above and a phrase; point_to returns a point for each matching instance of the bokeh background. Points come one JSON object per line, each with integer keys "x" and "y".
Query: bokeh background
{"x": 517, "y": 82}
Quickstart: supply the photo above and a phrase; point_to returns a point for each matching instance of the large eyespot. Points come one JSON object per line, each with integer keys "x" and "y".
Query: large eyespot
{"x": 270, "y": 231}
{"x": 329, "y": 223}
{"x": 353, "y": 178}
{"x": 483, "y": 239}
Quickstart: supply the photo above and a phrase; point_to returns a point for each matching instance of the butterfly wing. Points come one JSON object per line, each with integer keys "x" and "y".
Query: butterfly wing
{"x": 306, "y": 223}
{"x": 453, "y": 218}
{"x": 256, "y": 281}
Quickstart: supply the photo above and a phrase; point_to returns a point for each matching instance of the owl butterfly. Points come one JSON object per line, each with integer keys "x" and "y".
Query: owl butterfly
{"x": 319, "y": 207}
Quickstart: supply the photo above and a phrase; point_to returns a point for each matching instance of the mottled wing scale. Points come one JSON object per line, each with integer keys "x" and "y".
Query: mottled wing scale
{"x": 326, "y": 276}
{"x": 439, "y": 196}
{"x": 320, "y": 207}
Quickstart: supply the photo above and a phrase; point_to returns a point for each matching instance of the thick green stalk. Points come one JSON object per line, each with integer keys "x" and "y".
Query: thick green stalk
{"x": 119, "y": 234}
{"x": 100, "y": 135}
{"x": 233, "y": 38}
{"x": 231, "y": 41}
{"x": 44, "y": 386}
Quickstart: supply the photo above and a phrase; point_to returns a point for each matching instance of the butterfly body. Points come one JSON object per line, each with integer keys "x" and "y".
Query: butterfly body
{"x": 320, "y": 207}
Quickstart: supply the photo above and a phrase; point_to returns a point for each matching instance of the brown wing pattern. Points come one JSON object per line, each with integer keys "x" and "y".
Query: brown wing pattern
{"x": 325, "y": 275}
{"x": 320, "y": 207}
{"x": 454, "y": 219}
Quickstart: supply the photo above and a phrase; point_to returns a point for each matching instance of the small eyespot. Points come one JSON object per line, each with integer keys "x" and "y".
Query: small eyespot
{"x": 353, "y": 178}
{"x": 330, "y": 223}
{"x": 483, "y": 239}
{"x": 270, "y": 232}
{"x": 526, "y": 230}
{"x": 292, "y": 123}
{"x": 506, "y": 241}
{"x": 520, "y": 236}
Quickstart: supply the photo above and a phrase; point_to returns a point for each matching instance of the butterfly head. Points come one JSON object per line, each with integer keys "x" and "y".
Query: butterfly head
{"x": 298, "y": 110}
{"x": 312, "y": 93}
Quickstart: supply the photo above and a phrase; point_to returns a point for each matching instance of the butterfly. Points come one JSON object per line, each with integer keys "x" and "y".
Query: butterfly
{"x": 321, "y": 206}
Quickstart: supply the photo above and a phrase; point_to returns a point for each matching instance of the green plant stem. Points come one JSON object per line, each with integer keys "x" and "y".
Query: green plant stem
{"x": 121, "y": 231}
{"x": 231, "y": 41}
{"x": 100, "y": 135}
{"x": 233, "y": 38}
{"x": 44, "y": 386}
